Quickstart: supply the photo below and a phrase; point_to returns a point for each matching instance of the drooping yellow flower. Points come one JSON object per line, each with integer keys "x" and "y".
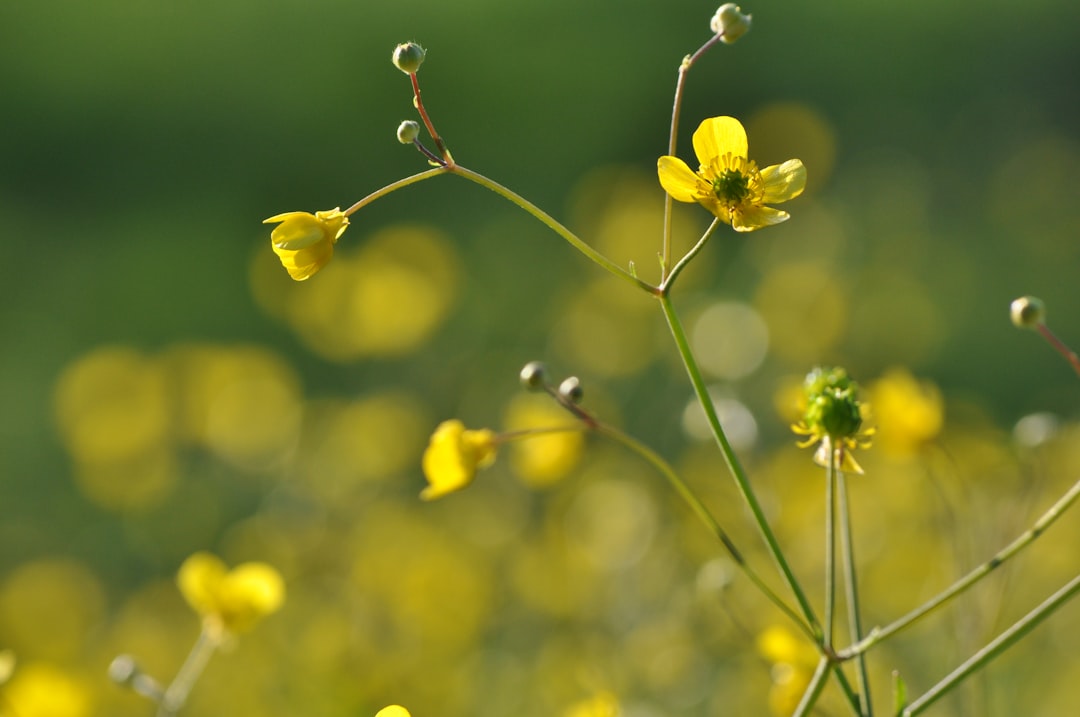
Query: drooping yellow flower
{"x": 729, "y": 184}
{"x": 454, "y": 455}
{"x": 229, "y": 601}
{"x": 305, "y": 242}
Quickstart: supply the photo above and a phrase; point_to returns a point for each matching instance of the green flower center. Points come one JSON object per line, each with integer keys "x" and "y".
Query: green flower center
{"x": 731, "y": 187}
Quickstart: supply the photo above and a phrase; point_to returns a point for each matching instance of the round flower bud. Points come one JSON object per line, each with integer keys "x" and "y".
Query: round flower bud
{"x": 407, "y": 132}
{"x": 533, "y": 375}
{"x": 730, "y": 23}
{"x": 408, "y": 57}
{"x": 1027, "y": 312}
{"x": 570, "y": 389}
{"x": 122, "y": 670}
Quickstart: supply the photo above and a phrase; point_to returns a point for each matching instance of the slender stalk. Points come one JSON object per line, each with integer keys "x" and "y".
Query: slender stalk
{"x": 177, "y": 693}
{"x": 676, "y": 110}
{"x": 1059, "y": 346}
{"x": 734, "y": 466}
{"x": 393, "y": 187}
{"x": 997, "y": 646}
{"x": 847, "y": 550}
{"x": 427, "y": 122}
{"x": 813, "y": 690}
{"x": 706, "y": 517}
{"x": 1045, "y": 521}
{"x": 550, "y": 222}
{"x": 830, "y": 545}
{"x": 665, "y": 284}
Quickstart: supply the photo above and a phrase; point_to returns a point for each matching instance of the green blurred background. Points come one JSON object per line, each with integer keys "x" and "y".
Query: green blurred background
{"x": 167, "y": 389}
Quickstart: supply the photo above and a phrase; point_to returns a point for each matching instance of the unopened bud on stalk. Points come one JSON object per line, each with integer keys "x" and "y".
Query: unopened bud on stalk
{"x": 730, "y": 22}
{"x": 533, "y": 375}
{"x": 407, "y": 132}
{"x": 1027, "y": 312}
{"x": 408, "y": 57}
{"x": 570, "y": 389}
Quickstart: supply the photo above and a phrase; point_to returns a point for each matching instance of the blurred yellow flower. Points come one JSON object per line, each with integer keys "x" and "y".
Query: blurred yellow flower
{"x": 454, "y": 455}
{"x": 602, "y": 704}
{"x": 727, "y": 183}
{"x": 305, "y": 242}
{"x": 543, "y": 453}
{"x": 42, "y": 690}
{"x": 393, "y": 711}
{"x": 230, "y": 601}
{"x": 908, "y": 412}
{"x": 793, "y": 662}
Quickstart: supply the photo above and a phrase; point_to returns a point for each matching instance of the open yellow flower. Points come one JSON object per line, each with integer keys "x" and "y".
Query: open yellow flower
{"x": 229, "y": 601}
{"x": 728, "y": 184}
{"x": 454, "y": 455}
{"x": 305, "y": 242}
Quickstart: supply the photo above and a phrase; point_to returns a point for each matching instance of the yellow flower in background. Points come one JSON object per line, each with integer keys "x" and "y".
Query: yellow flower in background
{"x": 230, "y": 601}
{"x": 727, "y": 183}
{"x": 42, "y": 690}
{"x": 793, "y": 662}
{"x": 453, "y": 456}
{"x": 602, "y": 704}
{"x": 393, "y": 711}
{"x": 547, "y": 445}
{"x": 305, "y": 242}
{"x": 908, "y": 412}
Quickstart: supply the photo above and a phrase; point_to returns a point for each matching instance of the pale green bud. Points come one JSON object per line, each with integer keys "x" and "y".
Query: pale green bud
{"x": 407, "y": 132}
{"x": 1027, "y": 312}
{"x": 571, "y": 390}
{"x": 730, "y": 22}
{"x": 408, "y": 57}
{"x": 533, "y": 375}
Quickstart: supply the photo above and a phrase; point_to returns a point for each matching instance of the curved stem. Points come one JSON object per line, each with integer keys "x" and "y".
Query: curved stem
{"x": 555, "y": 226}
{"x": 706, "y": 517}
{"x": 177, "y": 692}
{"x": 393, "y": 187}
{"x": 733, "y": 464}
{"x": 879, "y": 634}
{"x": 998, "y": 645}
{"x": 665, "y": 284}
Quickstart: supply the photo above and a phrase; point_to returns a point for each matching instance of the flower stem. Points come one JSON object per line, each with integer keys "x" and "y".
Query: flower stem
{"x": 1059, "y": 346}
{"x": 378, "y": 194}
{"x": 673, "y": 135}
{"x": 995, "y": 647}
{"x": 552, "y": 224}
{"x": 847, "y": 550}
{"x": 813, "y": 690}
{"x": 427, "y": 122}
{"x": 733, "y": 464}
{"x": 177, "y": 693}
{"x": 706, "y": 517}
{"x": 830, "y": 544}
{"x": 665, "y": 284}
{"x": 879, "y": 634}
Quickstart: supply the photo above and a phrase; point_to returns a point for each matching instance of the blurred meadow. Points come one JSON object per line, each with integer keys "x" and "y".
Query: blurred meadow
{"x": 168, "y": 389}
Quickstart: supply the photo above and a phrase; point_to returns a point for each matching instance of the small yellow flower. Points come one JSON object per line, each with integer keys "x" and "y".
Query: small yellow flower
{"x": 230, "y": 601}
{"x": 909, "y": 412}
{"x": 305, "y": 242}
{"x": 603, "y": 704}
{"x": 834, "y": 418}
{"x": 727, "y": 183}
{"x": 393, "y": 711}
{"x": 454, "y": 455}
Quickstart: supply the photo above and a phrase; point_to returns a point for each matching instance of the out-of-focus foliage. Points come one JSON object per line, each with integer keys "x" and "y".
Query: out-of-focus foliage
{"x": 168, "y": 389}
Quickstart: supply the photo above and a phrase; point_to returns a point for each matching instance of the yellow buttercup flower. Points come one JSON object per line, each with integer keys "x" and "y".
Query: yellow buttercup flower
{"x": 305, "y": 242}
{"x": 728, "y": 184}
{"x": 230, "y": 601}
{"x": 454, "y": 455}
{"x": 393, "y": 711}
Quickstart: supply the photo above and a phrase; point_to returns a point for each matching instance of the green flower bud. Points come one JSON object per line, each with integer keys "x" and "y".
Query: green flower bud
{"x": 407, "y": 132}
{"x": 730, "y": 22}
{"x": 1027, "y": 312}
{"x": 835, "y": 414}
{"x": 571, "y": 390}
{"x": 408, "y": 57}
{"x": 533, "y": 375}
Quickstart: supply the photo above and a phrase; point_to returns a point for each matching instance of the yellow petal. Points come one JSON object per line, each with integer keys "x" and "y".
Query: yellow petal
{"x": 449, "y": 463}
{"x": 718, "y": 136}
{"x": 249, "y": 592}
{"x": 299, "y": 232}
{"x": 751, "y": 218}
{"x": 304, "y": 263}
{"x": 678, "y": 180}
{"x": 200, "y": 578}
{"x": 284, "y": 217}
{"x": 783, "y": 181}
{"x": 393, "y": 711}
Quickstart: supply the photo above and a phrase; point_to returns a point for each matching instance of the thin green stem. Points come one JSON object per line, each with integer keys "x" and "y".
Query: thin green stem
{"x": 813, "y": 690}
{"x": 878, "y": 634}
{"x": 703, "y": 514}
{"x": 1060, "y": 346}
{"x": 393, "y": 187}
{"x": 177, "y": 693}
{"x": 997, "y": 646}
{"x": 735, "y": 468}
{"x": 830, "y": 545}
{"x": 665, "y": 284}
{"x": 552, "y": 224}
{"x": 847, "y": 550}
{"x": 676, "y": 111}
